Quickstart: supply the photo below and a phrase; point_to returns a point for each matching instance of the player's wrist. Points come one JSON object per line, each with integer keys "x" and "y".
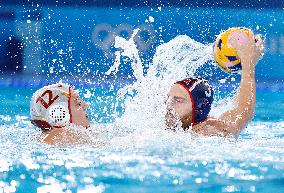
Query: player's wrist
{"x": 248, "y": 73}
{"x": 248, "y": 62}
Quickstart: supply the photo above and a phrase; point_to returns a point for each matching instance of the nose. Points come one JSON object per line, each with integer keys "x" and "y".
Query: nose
{"x": 169, "y": 103}
{"x": 85, "y": 105}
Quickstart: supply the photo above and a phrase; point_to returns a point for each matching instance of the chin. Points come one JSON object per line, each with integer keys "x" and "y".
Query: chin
{"x": 175, "y": 123}
{"x": 170, "y": 120}
{"x": 172, "y": 123}
{"x": 85, "y": 124}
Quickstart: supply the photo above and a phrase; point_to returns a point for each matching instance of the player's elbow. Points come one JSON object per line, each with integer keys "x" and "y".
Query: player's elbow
{"x": 248, "y": 116}
{"x": 234, "y": 128}
{"x": 240, "y": 124}
{"x": 227, "y": 128}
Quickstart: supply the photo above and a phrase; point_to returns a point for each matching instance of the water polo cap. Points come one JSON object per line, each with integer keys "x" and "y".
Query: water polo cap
{"x": 50, "y": 106}
{"x": 201, "y": 95}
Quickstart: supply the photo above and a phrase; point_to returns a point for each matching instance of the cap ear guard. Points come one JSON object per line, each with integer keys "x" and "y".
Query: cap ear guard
{"x": 50, "y": 107}
{"x": 58, "y": 116}
{"x": 41, "y": 124}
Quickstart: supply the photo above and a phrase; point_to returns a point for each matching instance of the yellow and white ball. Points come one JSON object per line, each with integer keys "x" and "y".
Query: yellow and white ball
{"x": 224, "y": 54}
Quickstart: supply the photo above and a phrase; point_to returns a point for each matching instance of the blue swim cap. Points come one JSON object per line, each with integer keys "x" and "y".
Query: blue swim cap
{"x": 201, "y": 94}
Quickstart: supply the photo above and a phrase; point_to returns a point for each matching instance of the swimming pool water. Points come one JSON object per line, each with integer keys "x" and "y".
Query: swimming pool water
{"x": 143, "y": 161}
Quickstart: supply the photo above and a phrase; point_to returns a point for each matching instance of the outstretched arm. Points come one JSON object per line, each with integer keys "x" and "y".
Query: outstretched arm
{"x": 232, "y": 122}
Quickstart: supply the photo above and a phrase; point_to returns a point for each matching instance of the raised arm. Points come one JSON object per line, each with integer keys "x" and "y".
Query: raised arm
{"x": 232, "y": 122}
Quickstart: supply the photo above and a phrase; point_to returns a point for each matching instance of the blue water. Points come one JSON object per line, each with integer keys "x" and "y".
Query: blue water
{"x": 146, "y": 162}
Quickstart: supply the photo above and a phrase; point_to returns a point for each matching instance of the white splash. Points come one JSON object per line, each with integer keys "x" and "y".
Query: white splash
{"x": 144, "y": 101}
{"x": 127, "y": 48}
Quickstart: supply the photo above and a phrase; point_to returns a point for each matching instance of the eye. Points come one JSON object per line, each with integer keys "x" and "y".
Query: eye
{"x": 177, "y": 100}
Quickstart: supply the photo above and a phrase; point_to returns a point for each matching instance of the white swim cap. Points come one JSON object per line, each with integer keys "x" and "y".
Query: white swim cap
{"x": 50, "y": 106}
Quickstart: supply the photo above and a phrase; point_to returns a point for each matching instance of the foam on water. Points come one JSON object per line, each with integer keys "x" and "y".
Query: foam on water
{"x": 173, "y": 159}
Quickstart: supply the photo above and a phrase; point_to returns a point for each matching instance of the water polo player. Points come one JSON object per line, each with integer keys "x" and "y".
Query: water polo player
{"x": 190, "y": 99}
{"x": 56, "y": 107}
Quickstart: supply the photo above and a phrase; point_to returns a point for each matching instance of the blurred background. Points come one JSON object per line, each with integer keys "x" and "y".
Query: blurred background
{"x": 42, "y": 42}
{"x": 75, "y": 38}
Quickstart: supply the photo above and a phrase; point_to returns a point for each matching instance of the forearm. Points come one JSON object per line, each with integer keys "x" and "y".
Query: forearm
{"x": 244, "y": 103}
{"x": 233, "y": 121}
{"x": 246, "y": 95}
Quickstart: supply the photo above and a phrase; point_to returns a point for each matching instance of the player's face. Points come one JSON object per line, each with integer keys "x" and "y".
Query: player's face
{"x": 78, "y": 110}
{"x": 179, "y": 107}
